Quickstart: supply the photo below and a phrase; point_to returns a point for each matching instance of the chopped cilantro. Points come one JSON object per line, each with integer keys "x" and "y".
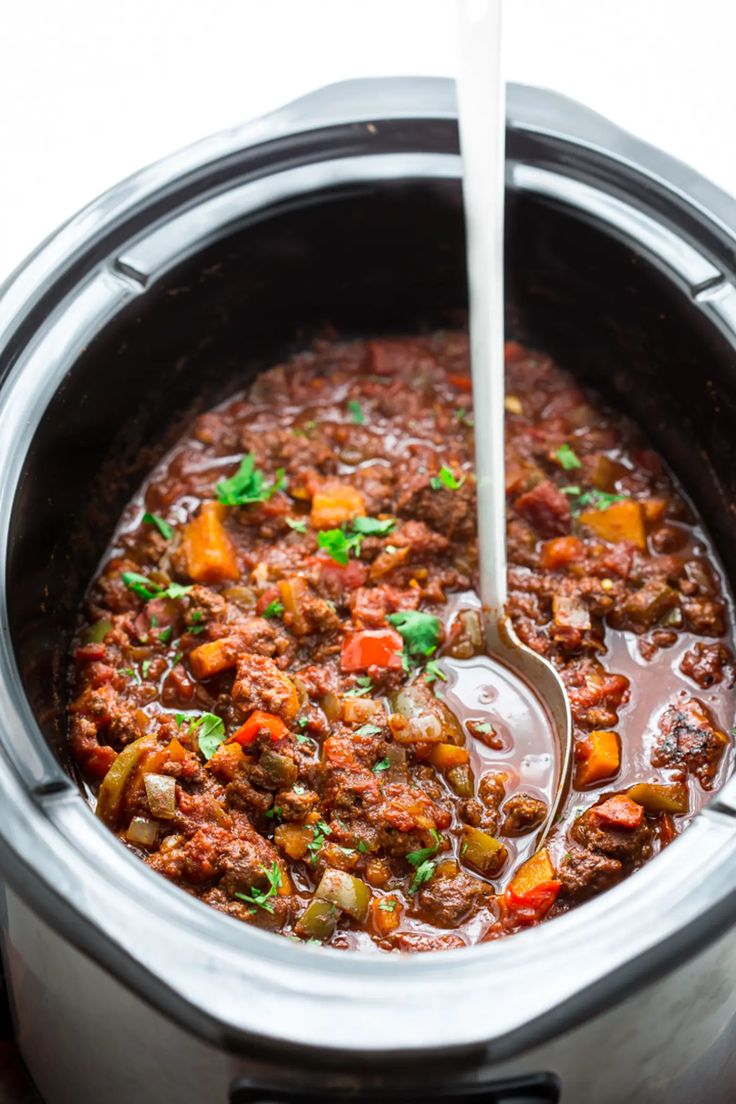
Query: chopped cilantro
{"x": 368, "y": 730}
{"x": 338, "y": 544}
{"x": 416, "y": 858}
{"x": 196, "y": 616}
{"x": 567, "y": 458}
{"x": 432, "y": 671}
{"x": 146, "y": 667}
{"x": 303, "y": 722}
{"x": 446, "y": 478}
{"x": 163, "y": 526}
{"x": 301, "y": 738}
{"x": 296, "y": 524}
{"x": 261, "y": 897}
{"x": 179, "y": 718}
{"x": 247, "y": 486}
{"x": 575, "y": 490}
{"x": 363, "y": 846}
{"x": 147, "y": 589}
{"x": 356, "y": 410}
{"x": 596, "y": 500}
{"x": 372, "y": 527}
{"x": 166, "y": 634}
{"x": 210, "y": 731}
{"x": 363, "y": 686}
{"x": 423, "y": 874}
{"x": 319, "y": 832}
{"x": 381, "y": 765}
{"x": 484, "y": 727}
{"x": 273, "y": 609}
{"x": 273, "y": 812}
{"x": 130, "y": 673}
{"x": 387, "y": 904}
{"x": 420, "y": 631}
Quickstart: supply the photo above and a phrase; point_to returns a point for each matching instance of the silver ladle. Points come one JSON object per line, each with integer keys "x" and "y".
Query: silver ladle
{"x": 482, "y": 123}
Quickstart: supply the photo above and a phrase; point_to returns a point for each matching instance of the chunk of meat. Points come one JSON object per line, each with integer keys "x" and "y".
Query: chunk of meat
{"x": 546, "y": 508}
{"x": 522, "y": 813}
{"x": 449, "y": 902}
{"x": 259, "y": 684}
{"x": 630, "y": 845}
{"x": 688, "y": 738}
{"x": 584, "y": 873}
{"x": 449, "y": 512}
{"x": 708, "y": 664}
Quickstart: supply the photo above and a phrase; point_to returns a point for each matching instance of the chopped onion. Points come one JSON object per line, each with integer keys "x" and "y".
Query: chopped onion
{"x": 360, "y": 710}
{"x": 161, "y": 794}
{"x": 142, "y": 830}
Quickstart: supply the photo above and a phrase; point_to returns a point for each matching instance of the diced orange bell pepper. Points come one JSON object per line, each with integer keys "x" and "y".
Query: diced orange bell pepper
{"x": 622, "y": 521}
{"x": 598, "y": 757}
{"x": 371, "y": 648}
{"x": 213, "y": 657}
{"x": 293, "y": 839}
{"x": 532, "y": 906}
{"x": 210, "y": 554}
{"x": 335, "y": 503}
{"x": 226, "y": 761}
{"x": 561, "y": 551}
{"x": 619, "y": 812}
{"x": 535, "y": 871}
{"x": 654, "y": 510}
{"x": 258, "y": 722}
{"x": 444, "y": 756}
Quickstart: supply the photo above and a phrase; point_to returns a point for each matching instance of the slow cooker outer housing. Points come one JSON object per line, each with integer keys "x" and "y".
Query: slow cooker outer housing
{"x": 622, "y": 261}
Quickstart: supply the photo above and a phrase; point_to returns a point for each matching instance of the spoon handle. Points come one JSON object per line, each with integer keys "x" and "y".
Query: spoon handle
{"x": 482, "y": 121}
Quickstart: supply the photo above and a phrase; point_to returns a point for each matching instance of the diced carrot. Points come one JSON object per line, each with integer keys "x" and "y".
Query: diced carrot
{"x": 371, "y": 648}
{"x": 385, "y": 915}
{"x": 561, "y": 551}
{"x": 209, "y": 552}
{"x": 259, "y": 721}
{"x": 532, "y": 906}
{"x": 618, "y": 522}
{"x": 444, "y": 756}
{"x": 535, "y": 871}
{"x": 619, "y": 812}
{"x": 177, "y": 751}
{"x": 598, "y": 757}
{"x": 213, "y": 657}
{"x": 461, "y": 381}
{"x": 335, "y": 503}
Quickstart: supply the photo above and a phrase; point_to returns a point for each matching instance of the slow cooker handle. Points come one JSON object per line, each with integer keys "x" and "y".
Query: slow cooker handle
{"x": 535, "y": 1088}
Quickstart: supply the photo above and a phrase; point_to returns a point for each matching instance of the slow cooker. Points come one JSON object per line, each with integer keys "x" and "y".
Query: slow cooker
{"x": 168, "y": 292}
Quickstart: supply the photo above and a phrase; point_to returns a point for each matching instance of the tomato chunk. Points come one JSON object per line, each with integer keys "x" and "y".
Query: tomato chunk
{"x": 532, "y": 906}
{"x": 371, "y": 648}
{"x": 258, "y": 722}
{"x": 619, "y": 812}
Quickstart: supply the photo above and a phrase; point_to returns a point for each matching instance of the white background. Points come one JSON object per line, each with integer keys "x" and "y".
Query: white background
{"x": 91, "y": 91}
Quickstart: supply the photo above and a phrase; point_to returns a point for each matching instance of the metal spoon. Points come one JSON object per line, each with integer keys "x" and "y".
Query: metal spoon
{"x": 482, "y": 122}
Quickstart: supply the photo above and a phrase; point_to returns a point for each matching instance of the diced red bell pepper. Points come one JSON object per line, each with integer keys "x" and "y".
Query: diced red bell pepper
{"x": 258, "y": 722}
{"x": 88, "y": 653}
{"x": 371, "y": 648}
{"x": 271, "y": 595}
{"x": 530, "y": 907}
{"x": 619, "y": 812}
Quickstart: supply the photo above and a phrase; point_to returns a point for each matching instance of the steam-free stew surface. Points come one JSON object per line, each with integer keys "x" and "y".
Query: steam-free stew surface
{"x": 279, "y": 693}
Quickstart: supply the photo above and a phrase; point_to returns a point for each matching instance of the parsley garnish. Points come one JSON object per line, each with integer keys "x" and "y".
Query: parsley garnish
{"x": 381, "y": 765}
{"x": 274, "y": 811}
{"x": 338, "y": 544}
{"x": 210, "y": 731}
{"x": 363, "y": 847}
{"x": 303, "y": 722}
{"x": 597, "y": 500}
{"x": 484, "y": 727}
{"x": 297, "y": 525}
{"x": 420, "y": 631}
{"x": 387, "y": 904}
{"x": 247, "y": 486}
{"x": 368, "y": 730}
{"x": 423, "y": 874}
{"x": 567, "y": 458}
{"x": 302, "y": 739}
{"x": 145, "y": 667}
{"x": 372, "y": 527}
{"x": 356, "y": 411}
{"x": 130, "y": 673}
{"x": 432, "y": 671}
{"x": 320, "y": 831}
{"x": 273, "y": 609}
{"x": 446, "y": 478}
{"x": 261, "y": 897}
{"x": 166, "y": 634}
{"x": 163, "y": 526}
{"x": 363, "y": 686}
